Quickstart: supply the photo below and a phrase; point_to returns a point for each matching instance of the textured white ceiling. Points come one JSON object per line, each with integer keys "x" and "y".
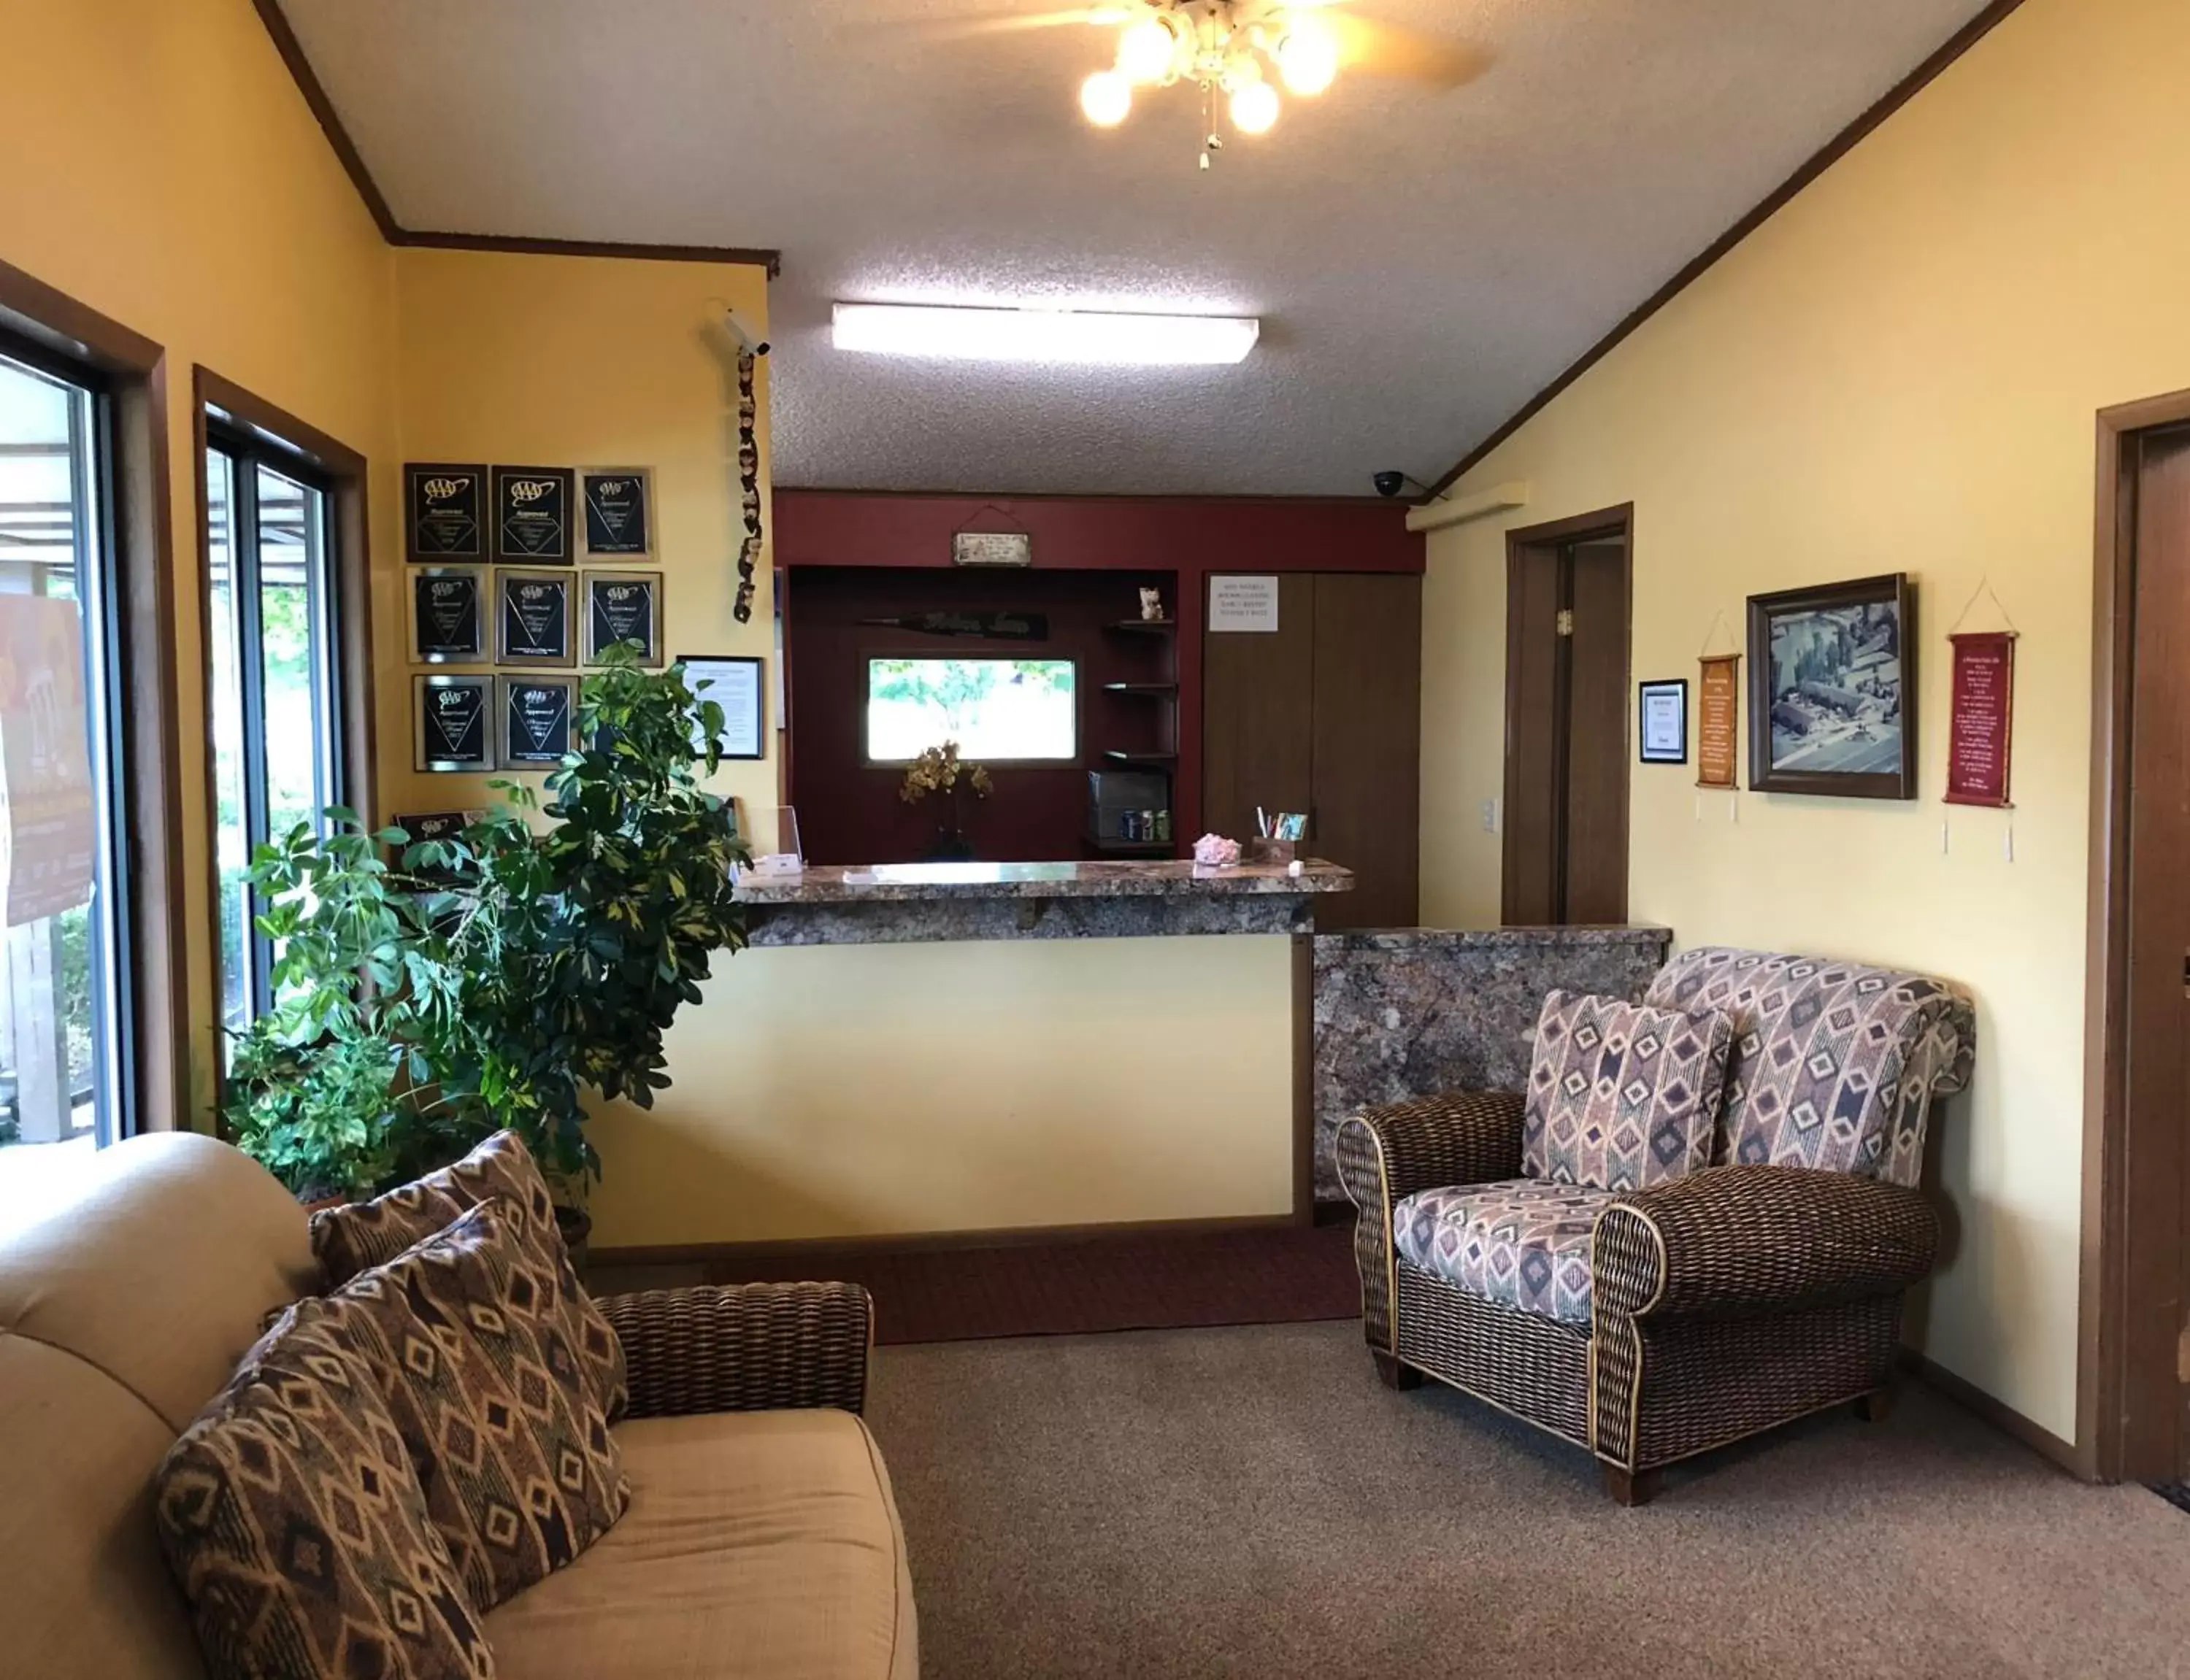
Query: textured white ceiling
{"x": 1423, "y": 261}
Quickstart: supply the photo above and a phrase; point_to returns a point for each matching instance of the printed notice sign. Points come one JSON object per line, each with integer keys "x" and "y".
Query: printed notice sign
{"x": 1980, "y": 732}
{"x": 1237, "y": 603}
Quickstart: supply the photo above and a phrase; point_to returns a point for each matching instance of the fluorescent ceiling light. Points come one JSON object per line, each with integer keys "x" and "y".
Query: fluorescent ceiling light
{"x": 1042, "y": 335}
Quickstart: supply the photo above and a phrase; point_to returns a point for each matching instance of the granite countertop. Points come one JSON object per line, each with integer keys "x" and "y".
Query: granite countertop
{"x": 901, "y": 883}
{"x": 1566, "y": 937}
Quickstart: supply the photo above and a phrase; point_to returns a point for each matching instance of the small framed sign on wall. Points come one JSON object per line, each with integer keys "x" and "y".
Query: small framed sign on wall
{"x": 1662, "y": 714}
{"x": 623, "y": 607}
{"x": 537, "y": 716}
{"x": 734, "y": 682}
{"x": 443, "y": 511}
{"x": 534, "y": 625}
{"x": 452, "y": 722}
{"x": 532, "y": 515}
{"x": 618, "y": 506}
{"x": 448, "y": 615}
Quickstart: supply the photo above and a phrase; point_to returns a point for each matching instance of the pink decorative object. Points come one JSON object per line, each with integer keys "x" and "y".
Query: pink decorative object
{"x": 1214, "y": 851}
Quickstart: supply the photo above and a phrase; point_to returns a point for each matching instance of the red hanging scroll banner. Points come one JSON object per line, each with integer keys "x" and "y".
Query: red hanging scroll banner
{"x": 1981, "y": 731}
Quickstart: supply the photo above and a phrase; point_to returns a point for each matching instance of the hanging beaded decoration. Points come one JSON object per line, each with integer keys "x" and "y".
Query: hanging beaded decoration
{"x": 749, "y": 485}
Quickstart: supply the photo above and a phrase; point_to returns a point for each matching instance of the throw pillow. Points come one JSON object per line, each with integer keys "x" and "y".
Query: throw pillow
{"x": 519, "y": 1471}
{"x": 347, "y": 1241}
{"x": 1621, "y": 1095}
{"x": 293, "y": 1520}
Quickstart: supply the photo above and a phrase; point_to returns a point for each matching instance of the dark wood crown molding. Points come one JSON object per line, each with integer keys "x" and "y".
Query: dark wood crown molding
{"x": 1834, "y": 149}
{"x": 315, "y": 96}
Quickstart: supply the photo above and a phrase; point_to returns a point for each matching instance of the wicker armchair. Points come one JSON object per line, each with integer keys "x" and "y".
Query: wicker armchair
{"x": 1759, "y": 1289}
{"x": 745, "y": 1347}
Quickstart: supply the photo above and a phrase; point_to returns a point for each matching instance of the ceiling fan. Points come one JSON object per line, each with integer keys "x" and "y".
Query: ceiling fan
{"x": 1242, "y": 49}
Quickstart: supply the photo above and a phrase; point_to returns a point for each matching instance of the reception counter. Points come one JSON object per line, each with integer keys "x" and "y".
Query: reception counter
{"x": 924, "y": 1049}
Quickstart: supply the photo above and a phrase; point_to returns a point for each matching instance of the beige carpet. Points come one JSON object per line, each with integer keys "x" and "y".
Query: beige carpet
{"x": 1204, "y": 1502}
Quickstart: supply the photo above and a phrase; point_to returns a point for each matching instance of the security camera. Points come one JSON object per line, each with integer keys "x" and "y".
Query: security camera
{"x": 1388, "y": 483}
{"x": 742, "y": 329}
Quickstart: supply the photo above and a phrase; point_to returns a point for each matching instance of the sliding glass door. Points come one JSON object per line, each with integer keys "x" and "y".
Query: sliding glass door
{"x": 62, "y": 1008}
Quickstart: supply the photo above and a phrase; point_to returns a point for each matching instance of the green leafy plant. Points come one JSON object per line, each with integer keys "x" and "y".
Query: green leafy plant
{"x": 500, "y": 977}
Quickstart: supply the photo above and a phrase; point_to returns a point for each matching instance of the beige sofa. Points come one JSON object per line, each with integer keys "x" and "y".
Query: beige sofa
{"x": 758, "y": 1543}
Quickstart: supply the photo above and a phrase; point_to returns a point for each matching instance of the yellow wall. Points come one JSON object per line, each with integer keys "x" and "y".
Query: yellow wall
{"x": 583, "y": 361}
{"x": 157, "y": 163}
{"x": 1899, "y": 372}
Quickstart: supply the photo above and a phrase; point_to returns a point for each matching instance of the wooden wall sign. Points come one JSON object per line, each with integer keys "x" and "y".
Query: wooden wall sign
{"x": 619, "y": 512}
{"x": 1981, "y": 729}
{"x": 532, "y": 514}
{"x": 443, "y": 511}
{"x": 1718, "y": 719}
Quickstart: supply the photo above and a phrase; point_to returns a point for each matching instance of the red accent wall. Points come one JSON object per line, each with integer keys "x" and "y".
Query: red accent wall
{"x": 854, "y": 554}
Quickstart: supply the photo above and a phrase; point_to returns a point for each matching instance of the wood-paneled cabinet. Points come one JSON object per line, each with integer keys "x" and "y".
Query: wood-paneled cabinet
{"x": 1324, "y": 714}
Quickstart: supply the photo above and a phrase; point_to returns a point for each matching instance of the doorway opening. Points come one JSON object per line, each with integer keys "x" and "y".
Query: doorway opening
{"x": 1567, "y": 613}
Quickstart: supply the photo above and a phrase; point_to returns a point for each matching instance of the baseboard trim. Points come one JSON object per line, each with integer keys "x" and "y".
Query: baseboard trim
{"x": 1995, "y": 1411}
{"x": 920, "y": 1243}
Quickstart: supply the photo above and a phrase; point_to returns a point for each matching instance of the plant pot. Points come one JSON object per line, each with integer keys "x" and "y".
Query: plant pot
{"x": 950, "y": 847}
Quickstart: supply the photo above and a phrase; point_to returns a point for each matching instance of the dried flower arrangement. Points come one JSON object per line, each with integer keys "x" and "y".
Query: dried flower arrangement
{"x": 938, "y": 771}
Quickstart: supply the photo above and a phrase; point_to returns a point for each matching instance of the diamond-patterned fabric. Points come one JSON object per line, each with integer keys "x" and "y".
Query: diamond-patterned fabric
{"x": 1834, "y": 1064}
{"x": 465, "y": 1334}
{"x": 348, "y": 1240}
{"x": 1621, "y": 1095}
{"x": 1523, "y": 1241}
{"x": 294, "y": 1519}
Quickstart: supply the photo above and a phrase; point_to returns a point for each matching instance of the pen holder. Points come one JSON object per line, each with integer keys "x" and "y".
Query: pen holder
{"x": 1260, "y": 848}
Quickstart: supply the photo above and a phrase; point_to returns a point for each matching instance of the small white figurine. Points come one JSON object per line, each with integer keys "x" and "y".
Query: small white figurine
{"x": 1152, "y": 605}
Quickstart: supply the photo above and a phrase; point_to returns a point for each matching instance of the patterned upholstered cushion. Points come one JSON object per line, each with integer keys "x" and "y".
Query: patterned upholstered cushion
{"x": 1834, "y": 1064}
{"x": 1621, "y": 1095}
{"x": 465, "y": 1332}
{"x": 292, "y": 1515}
{"x": 1523, "y": 1241}
{"x": 349, "y": 1240}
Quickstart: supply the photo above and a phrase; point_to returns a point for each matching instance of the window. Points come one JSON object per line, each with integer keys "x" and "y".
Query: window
{"x": 997, "y": 710}
{"x": 275, "y": 692}
{"x": 61, "y": 1006}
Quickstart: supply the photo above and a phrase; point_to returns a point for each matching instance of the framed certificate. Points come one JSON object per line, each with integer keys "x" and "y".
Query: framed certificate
{"x": 532, "y": 514}
{"x": 734, "y": 683}
{"x": 443, "y": 511}
{"x": 1663, "y": 708}
{"x": 623, "y": 607}
{"x": 617, "y": 505}
{"x": 433, "y": 825}
{"x": 532, "y": 617}
{"x": 538, "y": 713}
{"x": 452, "y": 722}
{"x": 448, "y": 615}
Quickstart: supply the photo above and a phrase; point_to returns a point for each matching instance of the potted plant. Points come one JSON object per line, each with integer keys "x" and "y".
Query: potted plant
{"x": 939, "y": 771}
{"x": 502, "y": 977}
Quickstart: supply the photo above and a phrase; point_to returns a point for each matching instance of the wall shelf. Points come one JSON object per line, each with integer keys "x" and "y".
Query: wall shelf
{"x": 1126, "y": 848}
{"x": 1153, "y": 760}
{"x": 1155, "y": 690}
{"x": 1143, "y": 626}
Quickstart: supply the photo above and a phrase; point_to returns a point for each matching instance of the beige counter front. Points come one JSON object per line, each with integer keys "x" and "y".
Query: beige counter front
{"x": 1046, "y": 1071}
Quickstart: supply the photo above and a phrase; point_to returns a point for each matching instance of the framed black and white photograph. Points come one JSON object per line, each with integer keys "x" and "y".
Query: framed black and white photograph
{"x": 534, "y": 625}
{"x": 453, "y": 722}
{"x": 1661, "y": 710}
{"x": 623, "y": 607}
{"x": 617, "y": 503}
{"x": 443, "y": 511}
{"x": 734, "y": 682}
{"x": 533, "y": 515}
{"x": 448, "y": 616}
{"x": 1832, "y": 691}
{"x": 537, "y": 716}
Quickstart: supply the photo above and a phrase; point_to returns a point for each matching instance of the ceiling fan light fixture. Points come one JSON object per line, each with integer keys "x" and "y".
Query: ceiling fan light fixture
{"x": 1307, "y": 54}
{"x": 1105, "y": 98}
{"x": 1147, "y": 49}
{"x": 1254, "y": 107}
{"x": 1085, "y": 337}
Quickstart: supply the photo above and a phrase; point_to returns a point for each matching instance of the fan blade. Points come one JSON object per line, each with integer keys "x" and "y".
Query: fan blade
{"x": 1386, "y": 50}
{"x": 968, "y": 28}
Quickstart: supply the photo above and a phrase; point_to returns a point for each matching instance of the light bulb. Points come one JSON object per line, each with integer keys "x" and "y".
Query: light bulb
{"x": 1106, "y": 97}
{"x": 1145, "y": 51}
{"x": 1307, "y": 56}
{"x": 1254, "y": 108}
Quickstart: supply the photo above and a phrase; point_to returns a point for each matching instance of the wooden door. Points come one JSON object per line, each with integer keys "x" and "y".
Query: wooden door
{"x": 1365, "y": 811}
{"x": 1565, "y": 855}
{"x": 1257, "y": 715}
{"x": 2157, "y": 1403}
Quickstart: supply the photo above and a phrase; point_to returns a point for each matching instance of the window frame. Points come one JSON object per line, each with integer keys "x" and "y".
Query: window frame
{"x": 232, "y": 421}
{"x": 1078, "y": 755}
{"x": 148, "y": 993}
